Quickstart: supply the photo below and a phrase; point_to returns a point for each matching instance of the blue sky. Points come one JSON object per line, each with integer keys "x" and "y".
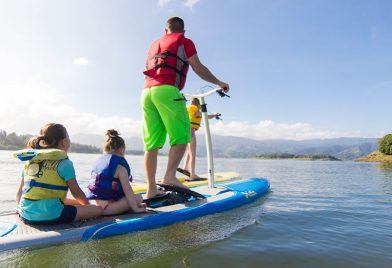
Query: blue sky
{"x": 298, "y": 69}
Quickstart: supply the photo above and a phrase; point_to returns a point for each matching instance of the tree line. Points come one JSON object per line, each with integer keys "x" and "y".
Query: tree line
{"x": 12, "y": 141}
{"x": 385, "y": 144}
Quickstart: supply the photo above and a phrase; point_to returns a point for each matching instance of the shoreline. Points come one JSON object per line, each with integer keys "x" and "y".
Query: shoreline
{"x": 375, "y": 157}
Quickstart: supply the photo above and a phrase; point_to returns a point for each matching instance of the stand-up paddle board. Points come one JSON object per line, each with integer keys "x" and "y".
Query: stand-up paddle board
{"x": 15, "y": 234}
{"x": 219, "y": 177}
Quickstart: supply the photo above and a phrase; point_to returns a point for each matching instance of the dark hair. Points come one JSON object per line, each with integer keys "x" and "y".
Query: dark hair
{"x": 113, "y": 141}
{"x": 50, "y": 136}
{"x": 175, "y": 25}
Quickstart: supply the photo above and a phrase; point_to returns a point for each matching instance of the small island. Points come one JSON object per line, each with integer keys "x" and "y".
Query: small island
{"x": 313, "y": 157}
{"x": 384, "y": 153}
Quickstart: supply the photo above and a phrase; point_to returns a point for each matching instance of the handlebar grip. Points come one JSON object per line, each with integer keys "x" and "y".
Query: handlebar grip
{"x": 222, "y": 93}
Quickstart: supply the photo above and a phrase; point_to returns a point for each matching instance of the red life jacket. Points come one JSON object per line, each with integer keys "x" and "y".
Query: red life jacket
{"x": 167, "y": 60}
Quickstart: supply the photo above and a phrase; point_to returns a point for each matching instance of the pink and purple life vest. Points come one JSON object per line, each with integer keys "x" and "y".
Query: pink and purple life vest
{"x": 103, "y": 185}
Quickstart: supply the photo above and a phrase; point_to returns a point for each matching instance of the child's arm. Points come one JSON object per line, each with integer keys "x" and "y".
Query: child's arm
{"x": 215, "y": 115}
{"x": 77, "y": 193}
{"x": 210, "y": 116}
{"x": 19, "y": 192}
{"x": 122, "y": 174}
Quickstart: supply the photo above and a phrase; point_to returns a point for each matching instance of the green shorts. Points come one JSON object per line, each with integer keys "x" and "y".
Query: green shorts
{"x": 164, "y": 112}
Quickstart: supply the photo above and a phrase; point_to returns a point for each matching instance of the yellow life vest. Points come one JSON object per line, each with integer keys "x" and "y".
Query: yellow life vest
{"x": 195, "y": 121}
{"x": 41, "y": 179}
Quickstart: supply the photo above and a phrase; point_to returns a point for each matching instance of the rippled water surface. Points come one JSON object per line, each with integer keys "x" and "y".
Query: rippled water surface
{"x": 318, "y": 214}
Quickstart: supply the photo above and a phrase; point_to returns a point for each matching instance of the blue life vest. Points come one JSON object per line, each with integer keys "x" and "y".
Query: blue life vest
{"x": 103, "y": 185}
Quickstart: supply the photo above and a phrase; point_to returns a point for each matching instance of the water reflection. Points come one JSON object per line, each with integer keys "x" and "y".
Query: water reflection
{"x": 386, "y": 175}
{"x": 386, "y": 167}
{"x": 318, "y": 214}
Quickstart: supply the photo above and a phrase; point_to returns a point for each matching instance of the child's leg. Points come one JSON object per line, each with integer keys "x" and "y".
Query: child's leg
{"x": 87, "y": 212}
{"x": 99, "y": 202}
{"x": 72, "y": 202}
{"x": 188, "y": 150}
{"x": 192, "y": 156}
{"x": 117, "y": 207}
{"x": 187, "y": 157}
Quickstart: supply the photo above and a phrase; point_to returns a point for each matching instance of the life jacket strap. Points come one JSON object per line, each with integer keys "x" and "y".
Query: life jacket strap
{"x": 164, "y": 56}
{"x": 164, "y": 65}
{"x": 34, "y": 183}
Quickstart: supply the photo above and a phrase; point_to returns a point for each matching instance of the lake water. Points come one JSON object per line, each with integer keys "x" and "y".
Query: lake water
{"x": 318, "y": 214}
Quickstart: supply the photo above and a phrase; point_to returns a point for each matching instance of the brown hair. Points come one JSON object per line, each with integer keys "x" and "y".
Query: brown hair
{"x": 195, "y": 101}
{"x": 113, "y": 141}
{"x": 50, "y": 136}
{"x": 175, "y": 25}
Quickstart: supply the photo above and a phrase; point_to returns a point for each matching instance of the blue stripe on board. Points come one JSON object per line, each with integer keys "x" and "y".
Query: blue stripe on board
{"x": 9, "y": 230}
{"x": 244, "y": 192}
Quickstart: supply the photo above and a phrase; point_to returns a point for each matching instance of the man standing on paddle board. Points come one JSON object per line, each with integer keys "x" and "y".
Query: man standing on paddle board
{"x": 164, "y": 107}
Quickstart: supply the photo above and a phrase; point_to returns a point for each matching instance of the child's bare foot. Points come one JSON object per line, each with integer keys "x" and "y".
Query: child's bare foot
{"x": 139, "y": 210}
{"x": 142, "y": 205}
{"x": 197, "y": 178}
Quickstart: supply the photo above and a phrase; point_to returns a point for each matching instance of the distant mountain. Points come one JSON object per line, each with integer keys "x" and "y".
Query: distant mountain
{"x": 341, "y": 148}
{"x": 228, "y": 146}
{"x": 133, "y": 144}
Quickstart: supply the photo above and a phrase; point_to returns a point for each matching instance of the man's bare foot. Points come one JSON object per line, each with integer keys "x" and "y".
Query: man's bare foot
{"x": 155, "y": 194}
{"x": 174, "y": 182}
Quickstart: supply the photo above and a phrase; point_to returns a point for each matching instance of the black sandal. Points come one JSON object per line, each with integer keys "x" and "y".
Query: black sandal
{"x": 184, "y": 171}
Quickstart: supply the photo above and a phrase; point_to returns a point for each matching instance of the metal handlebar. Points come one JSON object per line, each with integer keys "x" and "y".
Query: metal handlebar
{"x": 221, "y": 93}
{"x": 218, "y": 90}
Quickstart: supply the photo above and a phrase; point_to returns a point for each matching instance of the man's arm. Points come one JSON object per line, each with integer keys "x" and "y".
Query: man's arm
{"x": 204, "y": 73}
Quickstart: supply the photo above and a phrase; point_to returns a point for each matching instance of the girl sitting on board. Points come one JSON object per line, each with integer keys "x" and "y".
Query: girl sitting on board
{"x": 109, "y": 186}
{"x": 195, "y": 117}
{"x": 46, "y": 178}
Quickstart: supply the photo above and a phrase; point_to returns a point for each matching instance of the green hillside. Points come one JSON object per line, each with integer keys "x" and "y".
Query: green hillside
{"x": 375, "y": 157}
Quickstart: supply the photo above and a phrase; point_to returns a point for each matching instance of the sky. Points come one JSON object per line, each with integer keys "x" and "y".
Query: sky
{"x": 297, "y": 69}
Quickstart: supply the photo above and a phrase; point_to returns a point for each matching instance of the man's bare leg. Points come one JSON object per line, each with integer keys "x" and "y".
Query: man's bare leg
{"x": 150, "y": 168}
{"x": 175, "y": 155}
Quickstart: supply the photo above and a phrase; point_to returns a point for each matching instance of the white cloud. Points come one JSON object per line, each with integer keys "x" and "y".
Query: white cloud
{"x": 26, "y": 108}
{"x": 190, "y": 3}
{"x": 81, "y": 61}
{"x": 163, "y": 3}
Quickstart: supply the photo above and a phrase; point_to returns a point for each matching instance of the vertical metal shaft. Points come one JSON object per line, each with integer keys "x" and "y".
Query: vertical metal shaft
{"x": 208, "y": 143}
